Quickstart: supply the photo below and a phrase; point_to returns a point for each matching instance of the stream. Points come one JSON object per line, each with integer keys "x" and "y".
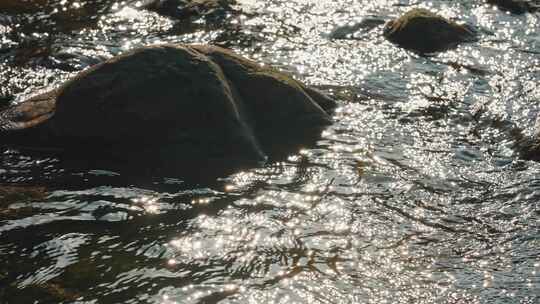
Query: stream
{"x": 406, "y": 198}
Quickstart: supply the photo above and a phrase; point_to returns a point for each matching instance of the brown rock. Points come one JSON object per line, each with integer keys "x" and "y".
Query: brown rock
{"x": 189, "y": 101}
{"x": 425, "y": 32}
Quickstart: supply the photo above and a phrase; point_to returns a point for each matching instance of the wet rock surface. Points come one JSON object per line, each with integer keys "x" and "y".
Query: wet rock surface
{"x": 184, "y": 101}
{"x": 425, "y": 32}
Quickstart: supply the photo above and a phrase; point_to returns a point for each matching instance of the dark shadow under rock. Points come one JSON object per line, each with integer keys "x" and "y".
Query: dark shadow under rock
{"x": 5, "y": 101}
{"x": 425, "y": 32}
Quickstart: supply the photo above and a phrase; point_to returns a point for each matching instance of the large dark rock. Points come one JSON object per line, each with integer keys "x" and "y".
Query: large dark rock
{"x": 516, "y": 6}
{"x": 178, "y": 101}
{"x": 425, "y": 32}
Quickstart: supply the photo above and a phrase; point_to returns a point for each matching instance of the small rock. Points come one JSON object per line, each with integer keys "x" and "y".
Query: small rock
{"x": 425, "y": 32}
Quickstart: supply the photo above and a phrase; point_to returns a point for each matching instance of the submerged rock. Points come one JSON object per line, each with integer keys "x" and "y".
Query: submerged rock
{"x": 18, "y": 195}
{"x": 354, "y": 30}
{"x": 19, "y": 6}
{"x": 528, "y": 144}
{"x": 191, "y": 8}
{"x": 425, "y": 32}
{"x": 174, "y": 101}
{"x": 524, "y": 141}
{"x": 54, "y": 16}
{"x": 46, "y": 292}
{"x": 516, "y": 6}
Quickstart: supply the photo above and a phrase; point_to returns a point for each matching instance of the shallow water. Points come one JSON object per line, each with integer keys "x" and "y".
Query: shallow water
{"x": 407, "y": 198}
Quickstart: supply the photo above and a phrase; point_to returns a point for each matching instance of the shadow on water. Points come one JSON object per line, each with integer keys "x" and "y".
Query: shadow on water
{"x": 55, "y": 15}
{"x": 203, "y": 193}
{"x": 138, "y": 166}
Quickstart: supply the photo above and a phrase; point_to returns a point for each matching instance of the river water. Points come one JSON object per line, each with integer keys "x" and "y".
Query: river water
{"x": 407, "y": 198}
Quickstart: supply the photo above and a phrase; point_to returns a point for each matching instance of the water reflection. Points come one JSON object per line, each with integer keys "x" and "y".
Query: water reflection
{"x": 408, "y": 198}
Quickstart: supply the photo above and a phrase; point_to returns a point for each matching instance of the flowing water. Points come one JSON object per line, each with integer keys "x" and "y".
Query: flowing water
{"x": 407, "y": 198}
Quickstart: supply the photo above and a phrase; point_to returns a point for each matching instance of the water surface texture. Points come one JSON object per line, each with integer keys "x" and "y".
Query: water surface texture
{"x": 407, "y": 198}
